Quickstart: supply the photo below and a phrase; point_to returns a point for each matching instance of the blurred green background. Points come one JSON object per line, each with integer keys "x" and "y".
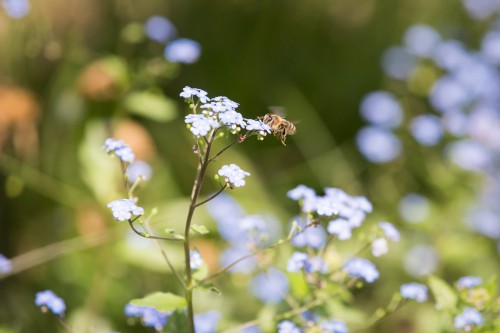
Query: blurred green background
{"x": 75, "y": 72}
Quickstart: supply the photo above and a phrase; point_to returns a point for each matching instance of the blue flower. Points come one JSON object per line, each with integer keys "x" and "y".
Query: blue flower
{"x": 232, "y": 119}
{"x": 183, "y": 50}
{"x": 361, "y": 268}
{"x": 398, "y": 62}
{"x": 150, "y": 316}
{"x": 49, "y": 300}
{"x": 16, "y": 9}
{"x": 257, "y": 125}
{"x": 124, "y": 209}
{"x": 119, "y": 149}
{"x": 414, "y": 208}
{"x": 270, "y": 287}
{"x": 195, "y": 259}
{"x": 5, "y": 265}
{"x": 312, "y": 236}
{"x": 427, "y": 129}
{"x": 391, "y": 233}
{"x": 206, "y": 322}
{"x": 468, "y": 282}
{"x": 380, "y": 247}
{"x": 232, "y": 254}
{"x": 421, "y": 40}
{"x": 334, "y": 326}
{"x": 414, "y": 291}
{"x": 340, "y": 228}
{"x": 382, "y": 109}
{"x": 234, "y": 176}
{"x": 159, "y": 28}
{"x": 378, "y": 145}
{"x": 188, "y": 92}
{"x": 200, "y": 125}
{"x": 287, "y": 326}
{"x": 138, "y": 169}
{"x": 468, "y": 318}
{"x": 297, "y": 262}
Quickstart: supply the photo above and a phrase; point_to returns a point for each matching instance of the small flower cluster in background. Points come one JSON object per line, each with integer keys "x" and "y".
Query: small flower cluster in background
{"x": 177, "y": 50}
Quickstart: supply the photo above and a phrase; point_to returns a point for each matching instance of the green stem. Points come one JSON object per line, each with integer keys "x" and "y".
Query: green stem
{"x": 202, "y": 168}
{"x": 212, "y": 196}
{"x": 142, "y": 234}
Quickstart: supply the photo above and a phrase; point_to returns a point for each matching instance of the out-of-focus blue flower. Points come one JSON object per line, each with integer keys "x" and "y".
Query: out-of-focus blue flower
{"x": 270, "y": 287}
{"x": 469, "y": 318}
{"x": 382, "y": 109}
{"x": 414, "y": 291}
{"x": 232, "y": 254}
{"x": 138, "y": 169}
{"x": 132, "y": 310}
{"x": 426, "y": 129}
{"x": 470, "y": 155}
{"x": 233, "y": 175}
{"x": 183, "y": 50}
{"x": 414, "y": 208}
{"x": 490, "y": 47}
{"x": 380, "y": 247}
{"x": 206, "y": 322}
{"x": 313, "y": 236}
{"x": 378, "y": 145}
{"x": 195, "y": 259}
{"x": 398, "y": 63}
{"x": 483, "y": 125}
{"x": 468, "y": 282}
{"x": 251, "y": 329}
{"x": 16, "y": 9}
{"x": 287, "y": 326}
{"x": 150, "y": 316}
{"x": 448, "y": 94}
{"x": 160, "y": 29}
{"x": 297, "y": 262}
{"x": 481, "y": 9}
{"x": 334, "y": 326}
{"x": 390, "y": 231}
{"x": 421, "y": 40}
{"x": 5, "y": 265}
{"x": 316, "y": 264}
{"x": 200, "y": 125}
{"x": 421, "y": 260}
{"x": 450, "y": 54}
{"x": 484, "y": 220}
{"x": 188, "y": 92}
{"x": 301, "y": 192}
{"x": 455, "y": 122}
{"x": 119, "y": 149}
{"x": 49, "y": 300}
{"x": 361, "y": 268}
{"x": 340, "y": 228}
{"x": 254, "y": 229}
{"x": 124, "y": 209}
{"x": 226, "y": 211}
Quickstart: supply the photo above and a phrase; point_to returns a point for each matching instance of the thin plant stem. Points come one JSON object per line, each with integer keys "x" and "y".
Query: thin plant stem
{"x": 254, "y": 253}
{"x": 200, "y": 174}
{"x": 222, "y": 150}
{"x": 212, "y": 196}
{"x": 142, "y": 234}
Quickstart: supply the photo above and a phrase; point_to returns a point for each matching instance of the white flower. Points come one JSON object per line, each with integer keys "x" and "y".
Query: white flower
{"x": 138, "y": 169}
{"x": 119, "y": 149}
{"x": 188, "y": 92}
{"x": 390, "y": 231}
{"x": 200, "y": 124}
{"x": 123, "y": 209}
{"x": 257, "y": 125}
{"x": 195, "y": 259}
{"x": 234, "y": 175}
{"x": 341, "y": 228}
{"x": 231, "y": 118}
{"x": 380, "y": 247}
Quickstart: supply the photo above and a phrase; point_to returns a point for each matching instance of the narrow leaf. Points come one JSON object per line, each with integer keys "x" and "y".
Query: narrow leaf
{"x": 200, "y": 229}
{"x": 161, "y": 301}
{"x": 445, "y": 296}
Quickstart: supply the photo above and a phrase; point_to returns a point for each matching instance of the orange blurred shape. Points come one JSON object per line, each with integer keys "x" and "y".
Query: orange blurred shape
{"x": 19, "y": 112}
{"x": 96, "y": 83}
{"x": 209, "y": 252}
{"x": 89, "y": 220}
{"x": 137, "y": 137}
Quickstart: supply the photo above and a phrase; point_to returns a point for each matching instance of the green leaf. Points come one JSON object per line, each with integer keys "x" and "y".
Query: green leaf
{"x": 172, "y": 233}
{"x": 209, "y": 287}
{"x": 200, "y": 229}
{"x": 150, "y": 105}
{"x": 161, "y": 301}
{"x": 177, "y": 322}
{"x": 445, "y": 296}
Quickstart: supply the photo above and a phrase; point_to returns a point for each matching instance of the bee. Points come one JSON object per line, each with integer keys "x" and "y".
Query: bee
{"x": 279, "y": 126}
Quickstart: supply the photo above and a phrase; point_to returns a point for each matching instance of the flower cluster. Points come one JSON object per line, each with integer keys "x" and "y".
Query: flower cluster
{"x": 414, "y": 291}
{"x": 48, "y": 300}
{"x": 119, "y": 149}
{"x": 150, "y": 316}
{"x": 218, "y": 112}
{"x": 124, "y": 209}
{"x": 469, "y": 282}
{"x": 234, "y": 176}
{"x": 361, "y": 268}
{"x": 180, "y": 50}
{"x": 300, "y": 261}
{"x": 469, "y": 318}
